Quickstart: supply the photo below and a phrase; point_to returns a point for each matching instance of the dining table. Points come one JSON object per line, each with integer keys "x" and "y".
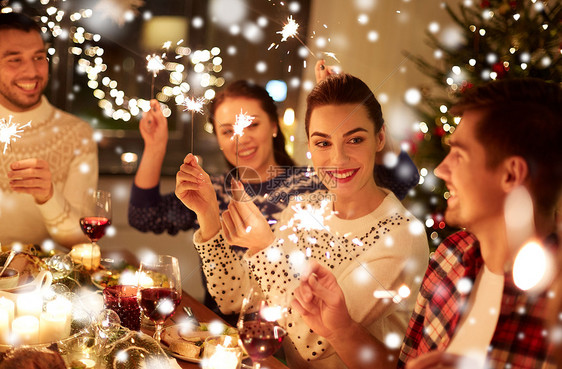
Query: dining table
{"x": 200, "y": 311}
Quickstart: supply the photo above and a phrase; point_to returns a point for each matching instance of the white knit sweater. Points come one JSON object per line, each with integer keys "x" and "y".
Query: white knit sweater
{"x": 377, "y": 252}
{"x": 66, "y": 143}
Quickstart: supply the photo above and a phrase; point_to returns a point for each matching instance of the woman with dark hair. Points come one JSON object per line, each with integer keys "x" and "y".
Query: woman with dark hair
{"x": 266, "y": 170}
{"x": 358, "y": 230}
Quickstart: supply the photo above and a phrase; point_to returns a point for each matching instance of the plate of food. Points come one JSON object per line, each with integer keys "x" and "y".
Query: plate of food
{"x": 186, "y": 342}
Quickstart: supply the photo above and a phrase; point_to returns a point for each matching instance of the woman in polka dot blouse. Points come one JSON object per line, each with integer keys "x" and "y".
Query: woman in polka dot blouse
{"x": 271, "y": 175}
{"x": 360, "y": 231}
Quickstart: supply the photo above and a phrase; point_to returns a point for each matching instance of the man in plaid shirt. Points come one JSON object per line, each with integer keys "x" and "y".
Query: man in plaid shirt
{"x": 469, "y": 313}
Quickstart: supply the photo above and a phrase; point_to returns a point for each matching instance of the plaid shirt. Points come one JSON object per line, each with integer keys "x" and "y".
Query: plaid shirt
{"x": 520, "y": 339}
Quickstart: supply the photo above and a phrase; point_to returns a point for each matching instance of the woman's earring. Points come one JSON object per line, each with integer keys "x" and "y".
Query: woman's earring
{"x": 274, "y": 134}
{"x": 220, "y": 148}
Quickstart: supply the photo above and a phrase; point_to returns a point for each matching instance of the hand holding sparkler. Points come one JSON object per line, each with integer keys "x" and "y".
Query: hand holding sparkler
{"x": 322, "y": 71}
{"x": 195, "y": 190}
{"x": 33, "y": 177}
{"x": 154, "y": 130}
{"x": 243, "y": 224}
{"x": 321, "y": 302}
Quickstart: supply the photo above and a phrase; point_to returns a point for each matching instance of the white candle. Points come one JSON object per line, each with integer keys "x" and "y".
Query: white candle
{"x": 52, "y": 327}
{"x": 29, "y": 304}
{"x": 9, "y": 306}
{"x": 4, "y": 327}
{"x": 223, "y": 358}
{"x": 25, "y": 330}
{"x": 61, "y": 308}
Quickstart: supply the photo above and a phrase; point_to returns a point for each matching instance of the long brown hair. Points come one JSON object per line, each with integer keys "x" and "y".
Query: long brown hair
{"x": 246, "y": 89}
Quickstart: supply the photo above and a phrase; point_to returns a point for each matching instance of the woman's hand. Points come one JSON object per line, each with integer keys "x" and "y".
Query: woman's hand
{"x": 321, "y": 70}
{"x": 321, "y": 302}
{"x": 154, "y": 129}
{"x": 441, "y": 360}
{"x": 195, "y": 190}
{"x": 244, "y": 225}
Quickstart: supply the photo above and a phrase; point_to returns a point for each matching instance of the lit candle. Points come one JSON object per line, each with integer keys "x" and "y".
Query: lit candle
{"x": 86, "y": 254}
{"x": 9, "y": 306}
{"x": 29, "y": 304}
{"x": 25, "y": 330}
{"x": 217, "y": 355}
{"x": 52, "y": 327}
{"x": 4, "y": 327}
{"x": 61, "y": 308}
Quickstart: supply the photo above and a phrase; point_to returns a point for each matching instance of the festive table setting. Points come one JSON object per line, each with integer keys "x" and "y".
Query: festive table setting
{"x": 108, "y": 310}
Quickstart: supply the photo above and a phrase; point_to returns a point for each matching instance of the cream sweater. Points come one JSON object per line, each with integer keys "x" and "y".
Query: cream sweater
{"x": 377, "y": 252}
{"x": 66, "y": 143}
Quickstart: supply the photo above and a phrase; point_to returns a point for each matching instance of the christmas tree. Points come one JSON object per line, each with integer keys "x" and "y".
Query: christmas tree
{"x": 498, "y": 39}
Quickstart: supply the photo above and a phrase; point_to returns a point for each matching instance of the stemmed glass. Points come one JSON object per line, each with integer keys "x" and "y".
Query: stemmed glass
{"x": 96, "y": 216}
{"x": 262, "y": 324}
{"x": 159, "y": 286}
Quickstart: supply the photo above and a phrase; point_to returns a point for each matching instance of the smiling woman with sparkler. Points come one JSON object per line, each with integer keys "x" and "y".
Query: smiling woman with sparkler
{"x": 266, "y": 169}
{"x": 361, "y": 232}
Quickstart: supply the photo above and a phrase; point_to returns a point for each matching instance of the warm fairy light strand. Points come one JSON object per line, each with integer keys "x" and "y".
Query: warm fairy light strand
{"x": 115, "y": 103}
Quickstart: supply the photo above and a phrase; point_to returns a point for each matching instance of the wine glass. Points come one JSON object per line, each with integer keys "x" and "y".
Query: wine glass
{"x": 96, "y": 216}
{"x": 159, "y": 286}
{"x": 262, "y": 324}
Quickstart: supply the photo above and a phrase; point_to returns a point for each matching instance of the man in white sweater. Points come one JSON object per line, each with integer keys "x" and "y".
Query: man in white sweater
{"x": 45, "y": 174}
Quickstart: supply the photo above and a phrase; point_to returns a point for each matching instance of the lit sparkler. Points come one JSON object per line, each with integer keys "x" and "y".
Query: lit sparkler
{"x": 10, "y": 131}
{"x": 194, "y": 105}
{"x": 155, "y": 64}
{"x": 290, "y": 29}
{"x": 243, "y": 120}
{"x": 310, "y": 217}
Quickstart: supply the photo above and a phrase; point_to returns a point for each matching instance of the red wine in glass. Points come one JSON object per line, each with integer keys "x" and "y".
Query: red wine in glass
{"x": 262, "y": 323}
{"x": 261, "y": 339}
{"x": 96, "y": 214}
{"x": 94, "y": 227}
{"x": 159, "y": 303}
{"x": 159, "y": 283}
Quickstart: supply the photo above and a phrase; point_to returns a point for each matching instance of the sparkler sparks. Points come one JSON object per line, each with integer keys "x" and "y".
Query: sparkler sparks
{"x": 194, "y": 105}
{"x": 243, "y": 120}
{"x": 155, "y": 64}
{"x": 9, "y": 131}
{"x": 310, "y": 217}
{"x": 289, "y": 30}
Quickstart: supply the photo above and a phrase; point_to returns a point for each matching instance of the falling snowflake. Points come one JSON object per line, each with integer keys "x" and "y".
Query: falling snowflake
{"x": 155, "y": 63}
{"x": 119, "y": 11}
{"x": 193, "y": 105}
{"x": 289, "y": 29}
{"x": 9, "y": 131}
{"x": 243, "y": 120}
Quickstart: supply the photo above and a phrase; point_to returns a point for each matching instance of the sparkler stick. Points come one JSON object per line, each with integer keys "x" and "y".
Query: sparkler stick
{"x": 9, "y": 131}
{"x": 155, "y": 64}
{"x": 194, "y": 106}
{"x": 243, "y": 120}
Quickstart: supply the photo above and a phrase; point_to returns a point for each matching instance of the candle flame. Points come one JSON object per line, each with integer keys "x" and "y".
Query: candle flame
{"x": 9, "y": 131}
{"x": 289, "y": 29}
